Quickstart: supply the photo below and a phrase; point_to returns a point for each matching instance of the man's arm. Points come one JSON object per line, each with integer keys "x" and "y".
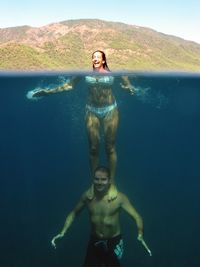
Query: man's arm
{"x": 128, "y": 207}
{"x": 70, "y": 218}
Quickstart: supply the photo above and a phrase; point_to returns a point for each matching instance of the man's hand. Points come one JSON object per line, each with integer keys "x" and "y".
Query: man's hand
{"x": 140, "y": 238}
{"x": 54, "y": 239}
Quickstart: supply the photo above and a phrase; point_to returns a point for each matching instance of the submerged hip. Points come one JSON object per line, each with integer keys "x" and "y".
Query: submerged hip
{"x": 101, "y": 112}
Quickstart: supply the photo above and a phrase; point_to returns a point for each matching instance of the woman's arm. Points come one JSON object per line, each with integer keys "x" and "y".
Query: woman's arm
{"x": 39, "y": 92}
{"x": 126, "y": 84}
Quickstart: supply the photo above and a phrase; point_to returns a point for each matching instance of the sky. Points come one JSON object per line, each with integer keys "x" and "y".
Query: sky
{"x": 175, "y": 17}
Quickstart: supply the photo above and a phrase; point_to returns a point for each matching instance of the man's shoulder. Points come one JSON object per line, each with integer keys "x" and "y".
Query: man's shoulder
{"x": 86, "y": 198}
{"x": 121, "y": 194}
{"x": 83, "y": 197}
{"x": 121, "y": 197}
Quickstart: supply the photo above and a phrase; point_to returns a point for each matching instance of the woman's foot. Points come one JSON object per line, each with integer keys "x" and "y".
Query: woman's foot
{"x": 90, "y": 192}
{"x": 113, "y": 192}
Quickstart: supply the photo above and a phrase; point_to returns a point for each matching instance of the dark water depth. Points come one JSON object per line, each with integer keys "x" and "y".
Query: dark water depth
{"x": 44, "y": 169}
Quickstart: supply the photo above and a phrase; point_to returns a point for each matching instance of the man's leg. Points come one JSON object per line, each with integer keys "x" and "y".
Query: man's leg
{"x": 115, "y": 252}
{"x": 92, "y": 258}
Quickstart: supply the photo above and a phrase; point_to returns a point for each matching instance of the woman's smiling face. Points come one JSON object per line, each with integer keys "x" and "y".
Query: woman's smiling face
{"x": 97, "y": 61}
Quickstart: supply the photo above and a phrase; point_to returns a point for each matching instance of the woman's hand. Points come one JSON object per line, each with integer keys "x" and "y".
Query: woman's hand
{"x": 129, "y": 87}
{"x": 112, "y": 193}
{"x": 36, "y": 93}
{"x": 40, "y": 92}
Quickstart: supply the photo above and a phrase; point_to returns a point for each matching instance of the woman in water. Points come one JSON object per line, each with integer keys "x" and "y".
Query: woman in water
{"x": 101, "y": 111}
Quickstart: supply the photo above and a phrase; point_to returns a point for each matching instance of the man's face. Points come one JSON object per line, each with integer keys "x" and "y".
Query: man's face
{"x": 101, "y": 181}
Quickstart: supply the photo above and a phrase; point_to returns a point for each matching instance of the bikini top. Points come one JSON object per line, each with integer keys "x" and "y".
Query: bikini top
{"x": 99, "y": 80}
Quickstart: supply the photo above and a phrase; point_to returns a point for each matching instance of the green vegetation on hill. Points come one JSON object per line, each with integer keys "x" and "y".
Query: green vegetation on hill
{"x": 69, "y": 44}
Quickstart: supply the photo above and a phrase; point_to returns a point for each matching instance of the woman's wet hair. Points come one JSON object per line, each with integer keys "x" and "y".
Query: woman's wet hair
{"x": 103, "y": 169}
{"x": 105, "y": 65}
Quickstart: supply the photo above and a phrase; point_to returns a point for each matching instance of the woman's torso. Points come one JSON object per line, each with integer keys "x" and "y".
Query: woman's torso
{"x": 100, "y": 90}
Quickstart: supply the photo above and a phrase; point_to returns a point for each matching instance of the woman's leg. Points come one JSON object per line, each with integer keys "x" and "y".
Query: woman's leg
{"x": 93, "y": 127}
{"x": 110, "y": 130}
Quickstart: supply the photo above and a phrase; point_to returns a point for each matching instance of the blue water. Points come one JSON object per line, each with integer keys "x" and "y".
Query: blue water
{"x": 44, "y": 168}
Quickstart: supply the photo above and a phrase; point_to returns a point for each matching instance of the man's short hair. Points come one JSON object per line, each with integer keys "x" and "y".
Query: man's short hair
{"x": 103, "y": 169}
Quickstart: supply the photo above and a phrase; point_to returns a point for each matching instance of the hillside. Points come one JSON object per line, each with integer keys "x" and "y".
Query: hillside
{"x": 68, "y": 45}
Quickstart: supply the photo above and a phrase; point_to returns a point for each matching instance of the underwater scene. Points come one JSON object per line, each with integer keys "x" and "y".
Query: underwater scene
{"x": 45, "y": 167}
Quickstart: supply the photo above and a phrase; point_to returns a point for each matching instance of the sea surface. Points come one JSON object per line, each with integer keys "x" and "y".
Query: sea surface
{"x": 44, "y": 168}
